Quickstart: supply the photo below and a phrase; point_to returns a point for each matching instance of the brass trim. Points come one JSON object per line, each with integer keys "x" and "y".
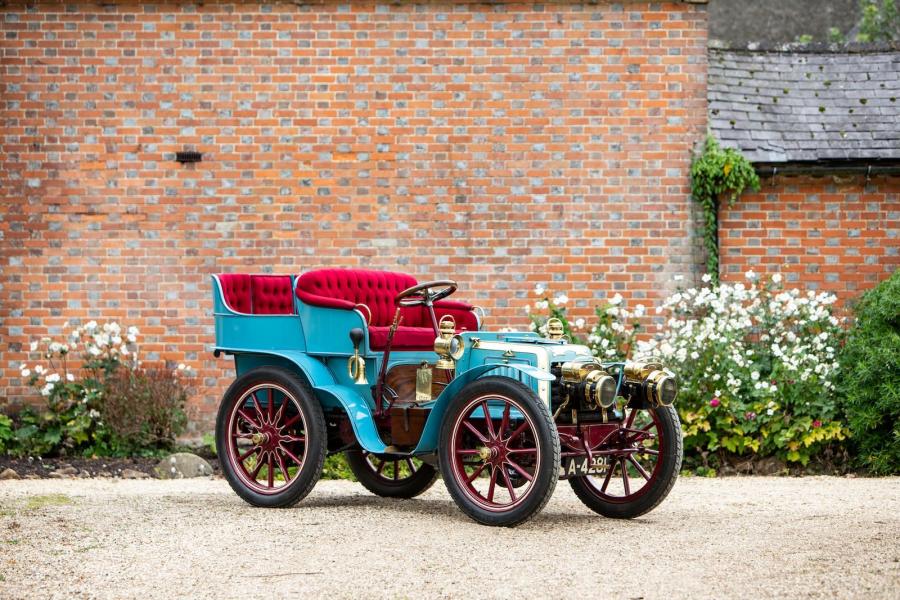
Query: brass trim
{"x": 555, "y": 330}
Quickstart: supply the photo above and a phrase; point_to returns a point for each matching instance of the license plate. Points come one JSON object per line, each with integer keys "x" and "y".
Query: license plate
{"x": 579, "y": 466}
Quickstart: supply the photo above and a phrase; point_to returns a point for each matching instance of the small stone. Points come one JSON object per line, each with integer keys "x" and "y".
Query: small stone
{"x": 133, "y": 474}
{"x": 32, "y": 476}
{"x": 182, "y": 465}
{"x": 769, "y": 466}
{"x": 8, "y": 474}
{"x": 64, "y": 472}
{"x": 104, "y": 474}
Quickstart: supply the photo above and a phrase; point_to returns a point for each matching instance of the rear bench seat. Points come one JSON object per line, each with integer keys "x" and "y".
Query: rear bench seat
{"x": 347, "y": 289}
{"x": 258, "y": 294}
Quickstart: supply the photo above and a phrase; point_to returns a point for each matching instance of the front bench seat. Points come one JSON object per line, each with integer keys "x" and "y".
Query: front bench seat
{"x": 347, "y": 288}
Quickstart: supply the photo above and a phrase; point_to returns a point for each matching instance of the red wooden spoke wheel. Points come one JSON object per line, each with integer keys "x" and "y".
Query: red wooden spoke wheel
{"x": 643, "y": 460}
{"x": 270, "y": 437}
{"x": 499, "y": 451}
{"x": 391, "y": 476}
{"x": 266, "y": 438}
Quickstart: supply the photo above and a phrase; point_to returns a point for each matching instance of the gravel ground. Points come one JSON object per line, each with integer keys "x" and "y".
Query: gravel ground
{"x": 750, "y": 537}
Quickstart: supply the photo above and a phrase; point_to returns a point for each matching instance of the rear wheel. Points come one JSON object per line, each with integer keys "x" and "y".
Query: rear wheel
{"x": 641, "y": 469}
{"x": 270, "y": 437}
{"x": 391, "y": 477}
{"x": 500, "y": 470}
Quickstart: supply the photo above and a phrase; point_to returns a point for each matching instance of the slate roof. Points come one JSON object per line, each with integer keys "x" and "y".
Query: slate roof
{"x": 783, "y": 107}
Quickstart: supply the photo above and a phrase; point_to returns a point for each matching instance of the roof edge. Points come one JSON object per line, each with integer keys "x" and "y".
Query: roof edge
{"x": 869, "y": 167}
{"x": 810, "y": 48}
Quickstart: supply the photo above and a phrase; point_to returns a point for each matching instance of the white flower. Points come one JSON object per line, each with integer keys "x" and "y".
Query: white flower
{"x": 45, "y": 391}
{"x": 70, "y": 377}
{"x": 55, "y": 347}
{"x": 52, "y": 378}
{"x": 776, "y": 278}
{"x": 25, "y": 372}
{"x": 561, "y": 299}
{"x": 678, "y": 278}
{"x": 39, "y": 369}
{"x": 750, "y": 275}
{"x": 34, "y": 346}
{"x": 754, "y": 375}
{"x": 181, "y": 366}
{"x": 91, "y": 325}
{"x": 539, "y": 289}
{"x": 579, "y": 323}
{"x": 639, "y": 311}
{"x": 706, "y": 278}
{"x": 541, "y": 305}
{"x": 616, "y": 300}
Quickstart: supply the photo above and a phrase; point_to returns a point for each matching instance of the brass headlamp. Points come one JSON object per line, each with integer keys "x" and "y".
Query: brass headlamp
{"x": 589, "y": 380}
{"x": 555, "y": 329}
{"x": 659, "y": 385}
{"x": 449, "y": 345}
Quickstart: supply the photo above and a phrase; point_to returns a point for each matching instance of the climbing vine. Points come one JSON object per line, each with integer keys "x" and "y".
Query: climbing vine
{"x": 714, "y": 172}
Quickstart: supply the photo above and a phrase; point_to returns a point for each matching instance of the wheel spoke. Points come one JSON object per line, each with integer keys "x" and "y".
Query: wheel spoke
{"x": 609, "y": 472}
{"x": 467, "y": 452}
{"x": 258, "y": 408}
{"x": 279, "y": 414}
{"x": 247, "y": 418}
{"x": 509, "y": 485}
{"x": 381, "y": 465}
{"x": 412, "y": 467}
{"x": 476, "y": 472}
{"x": 247, "y": 454}
{"x": 487, "y": 420}
{"x": 630, "y": 419}
{"x": 639, "y": 468}
{"x": 293, "y": 438}
{"x": 625, "y": 477}
{"x": 284, "y": 471}
{"x": 292, "y": 420}
{"x": 504, "y": 422}
{"x": 270, "y": 401}
{"x": 271, "y": 469}
{"x": 522, "y": 451}
{"x": 291, "y": 456}
{"x": 477, "y": 433}
{"x": 647, "y": 451}
{"x": 520, "y": 470}
{"x": 493, "y": 484}
{"x": 396, "y": 470}
{"x": 520, "y": 429}
{"x": 260, "y": 461}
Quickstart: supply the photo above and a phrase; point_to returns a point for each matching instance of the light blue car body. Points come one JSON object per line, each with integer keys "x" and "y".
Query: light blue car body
{"x": 314, "y": 342}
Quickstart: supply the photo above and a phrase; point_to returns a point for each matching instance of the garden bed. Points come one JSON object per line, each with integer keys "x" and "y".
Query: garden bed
{"x": 76, "y": 466}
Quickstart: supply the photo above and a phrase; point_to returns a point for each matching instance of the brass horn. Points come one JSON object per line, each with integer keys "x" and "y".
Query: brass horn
{"x": 356, "y": 364}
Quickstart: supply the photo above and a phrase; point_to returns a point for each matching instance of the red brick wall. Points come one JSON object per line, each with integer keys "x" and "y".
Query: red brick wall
{"x": 500, "y": 144}
{"x": 839, "y": 234}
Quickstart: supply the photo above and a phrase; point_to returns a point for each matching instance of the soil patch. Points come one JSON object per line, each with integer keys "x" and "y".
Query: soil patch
{"x": 41, "y": 468}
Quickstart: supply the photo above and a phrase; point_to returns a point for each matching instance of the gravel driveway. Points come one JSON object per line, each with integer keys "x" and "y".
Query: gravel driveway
{"x": 712, "y": 538}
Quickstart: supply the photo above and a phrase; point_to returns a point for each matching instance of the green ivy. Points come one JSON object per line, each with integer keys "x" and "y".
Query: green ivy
{"x": 714, "y": 172}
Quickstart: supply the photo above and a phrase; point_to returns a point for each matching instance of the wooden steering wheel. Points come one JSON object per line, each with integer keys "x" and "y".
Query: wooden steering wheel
{"x": 421, "y": 294}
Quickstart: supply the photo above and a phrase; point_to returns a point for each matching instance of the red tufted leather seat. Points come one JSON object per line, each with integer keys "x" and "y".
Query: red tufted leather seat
{"x": 347, "y": 288}
{"x": 258, "y": 294}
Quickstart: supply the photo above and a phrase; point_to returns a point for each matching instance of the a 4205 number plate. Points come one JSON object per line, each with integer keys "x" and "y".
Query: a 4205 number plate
{"x": 579, "y": 466}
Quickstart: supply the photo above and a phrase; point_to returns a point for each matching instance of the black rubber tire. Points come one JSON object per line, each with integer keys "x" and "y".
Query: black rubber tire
{"x": 544, "y": 481}
{"x": 658, "y": 489}
{"x": 316, "y": 436}
{"x": 409, "y": 487}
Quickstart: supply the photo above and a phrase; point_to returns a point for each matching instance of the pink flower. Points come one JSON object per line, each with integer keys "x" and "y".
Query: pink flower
{"x": 715, "y": 402}
{"x": 749, "y": 415}
{"x": 817, "y": 423}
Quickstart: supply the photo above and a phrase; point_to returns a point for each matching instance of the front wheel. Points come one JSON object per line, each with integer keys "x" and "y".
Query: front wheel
{"x": 391, "y": 477}
{"x": 499, "y": 451}
{"x": 271, "y": 437}
{"x": 642, "y": 465}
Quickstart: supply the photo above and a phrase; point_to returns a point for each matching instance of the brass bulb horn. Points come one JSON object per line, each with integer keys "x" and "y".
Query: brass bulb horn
{"x": 356, "y": 364}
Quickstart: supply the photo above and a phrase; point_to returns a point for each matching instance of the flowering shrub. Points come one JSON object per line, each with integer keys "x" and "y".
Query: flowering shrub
{"x": 756, "y": 363}
{"x": 76, "y": 393}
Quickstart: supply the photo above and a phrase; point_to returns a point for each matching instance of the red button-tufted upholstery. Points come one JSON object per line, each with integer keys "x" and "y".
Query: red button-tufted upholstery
{"x": 236, "y": 291}
{"x": 345, "y": 288}
{"x": 271, "y": 295}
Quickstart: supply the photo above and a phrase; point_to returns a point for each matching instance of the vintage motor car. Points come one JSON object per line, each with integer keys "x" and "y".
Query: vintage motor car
{"x": 410, "y": 385}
